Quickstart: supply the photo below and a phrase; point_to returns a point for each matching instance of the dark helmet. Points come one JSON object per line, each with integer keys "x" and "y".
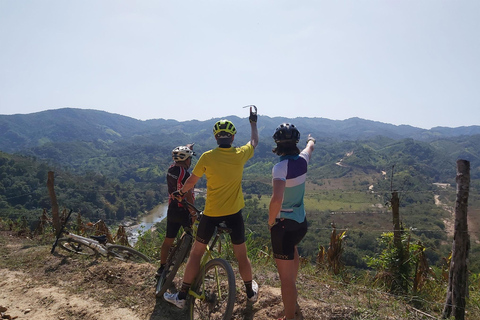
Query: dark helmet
{"x": 286, "y": 132}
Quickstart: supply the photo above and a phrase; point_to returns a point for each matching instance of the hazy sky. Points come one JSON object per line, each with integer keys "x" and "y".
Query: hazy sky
{"x": 401, "y": 62}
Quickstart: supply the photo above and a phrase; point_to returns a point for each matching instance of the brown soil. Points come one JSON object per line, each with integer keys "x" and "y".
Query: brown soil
{"x": 35, "y": 284}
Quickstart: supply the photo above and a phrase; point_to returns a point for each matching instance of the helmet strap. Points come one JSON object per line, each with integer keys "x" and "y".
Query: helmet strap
{"x": 183, "y": 163}
{"x": 225, "y": 142}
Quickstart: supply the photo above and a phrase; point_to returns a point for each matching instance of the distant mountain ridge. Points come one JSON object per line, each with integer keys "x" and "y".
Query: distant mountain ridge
{"x": 20, "y": 132}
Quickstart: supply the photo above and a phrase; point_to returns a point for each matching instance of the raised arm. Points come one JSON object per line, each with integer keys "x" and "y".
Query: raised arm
{"x": 310, "y": 145}
{"x": 254, "y": 136}
{"x": 253, "y": 124}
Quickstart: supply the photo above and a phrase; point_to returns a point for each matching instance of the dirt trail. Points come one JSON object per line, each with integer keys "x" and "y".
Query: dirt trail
{"x": 37, "y": 285}
{"x": 25, "y": 298}
{"x": 450, "y": 221}
{"x": 22, "y": 298}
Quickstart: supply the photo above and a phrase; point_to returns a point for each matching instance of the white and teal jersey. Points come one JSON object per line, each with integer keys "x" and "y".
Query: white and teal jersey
{"x": 292, "y": 170}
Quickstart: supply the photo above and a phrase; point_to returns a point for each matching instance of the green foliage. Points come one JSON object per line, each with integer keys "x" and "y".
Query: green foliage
{"x": 94, "y": 195}
{"x": 256, "y": 188}
{"x": 395, "y": 269}
{"x": 150, "y": 243}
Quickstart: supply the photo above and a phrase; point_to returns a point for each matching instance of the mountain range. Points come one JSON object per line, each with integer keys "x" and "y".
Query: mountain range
{"x": 23, "y": 131}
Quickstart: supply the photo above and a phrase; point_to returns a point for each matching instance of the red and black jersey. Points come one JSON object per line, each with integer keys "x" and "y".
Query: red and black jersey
{"x": 176, "y": 177}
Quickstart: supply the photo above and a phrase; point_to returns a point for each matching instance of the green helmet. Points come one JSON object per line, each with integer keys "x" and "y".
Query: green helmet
{"x": 224, "y": 126}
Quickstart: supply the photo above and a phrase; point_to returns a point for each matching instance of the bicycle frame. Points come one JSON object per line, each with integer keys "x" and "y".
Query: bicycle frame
{"x": 91, "y": 243}
{"x": 214, "y": 285}
{"x": 207, "y": 257}
{"x": 209, "y": 249}
{"x": 97, "y": 244}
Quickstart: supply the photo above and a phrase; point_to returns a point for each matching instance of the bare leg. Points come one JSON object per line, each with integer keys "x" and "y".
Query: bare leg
{"x": 287, "y": 271}
{"x": 193, "y": 264}
{"x": 244, "y": 264}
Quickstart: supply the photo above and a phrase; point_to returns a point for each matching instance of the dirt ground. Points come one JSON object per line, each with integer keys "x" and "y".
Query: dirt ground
{"x": 37, "y": 285}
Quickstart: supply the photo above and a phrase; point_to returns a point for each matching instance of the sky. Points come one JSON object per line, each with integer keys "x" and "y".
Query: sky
{"x": 413, "y": 62}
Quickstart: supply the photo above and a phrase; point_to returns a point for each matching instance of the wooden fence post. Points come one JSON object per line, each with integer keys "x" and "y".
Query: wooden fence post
{"x": 399, "y": 285}
{"x": 53, "y": 200}
{"x": 397, "y": 235}
{"x": 458, "y": 276}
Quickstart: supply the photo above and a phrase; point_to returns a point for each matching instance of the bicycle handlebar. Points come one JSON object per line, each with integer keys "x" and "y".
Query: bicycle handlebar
{"x": 188, "y": 204}
{"x": 60, "y": 232}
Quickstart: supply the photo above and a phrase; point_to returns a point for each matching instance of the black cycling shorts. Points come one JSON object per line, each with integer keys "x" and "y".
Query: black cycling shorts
{"x": 286, "y": 234}
{"x": 207, "y": 225}
{"x": 177, "y": 217}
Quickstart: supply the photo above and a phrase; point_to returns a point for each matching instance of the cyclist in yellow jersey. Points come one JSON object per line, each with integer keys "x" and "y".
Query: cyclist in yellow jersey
{"x": 223, "y": 168}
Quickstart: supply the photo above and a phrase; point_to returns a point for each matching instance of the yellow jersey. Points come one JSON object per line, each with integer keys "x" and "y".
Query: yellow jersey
{"x": 223, "y": 168}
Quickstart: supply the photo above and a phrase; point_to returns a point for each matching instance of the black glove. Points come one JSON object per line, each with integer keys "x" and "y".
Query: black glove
{"x": 178, "y": 195}
{"x": 253, "y": 114}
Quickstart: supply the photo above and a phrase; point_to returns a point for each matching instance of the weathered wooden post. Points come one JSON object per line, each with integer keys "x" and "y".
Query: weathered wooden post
{"x": 399, "y": 285}
{"x": 397, "y": 235}
{"x": 53, "y": 200}
{"x": 457, "y": 278}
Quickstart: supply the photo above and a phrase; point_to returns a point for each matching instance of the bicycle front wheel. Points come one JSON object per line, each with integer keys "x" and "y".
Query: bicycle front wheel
{"x": 126, "y": 254}
{"x": 214, "y": 292}
{"x": 76, "y": 246}
{"x": 175, "y": 259}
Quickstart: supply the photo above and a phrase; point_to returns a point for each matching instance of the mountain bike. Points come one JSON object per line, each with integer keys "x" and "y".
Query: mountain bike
{"x": 176, "y": 257}
{"x": 95, "y": 246}
{"x": 212, "y": 294}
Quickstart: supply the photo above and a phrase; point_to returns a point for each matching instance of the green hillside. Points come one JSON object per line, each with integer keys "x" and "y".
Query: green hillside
{"x": 117, "y": 171}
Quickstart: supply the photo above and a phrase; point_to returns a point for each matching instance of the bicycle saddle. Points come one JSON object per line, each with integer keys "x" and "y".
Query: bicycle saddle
{"x": 102, "y": 239}
{"x": 222, "y": 228}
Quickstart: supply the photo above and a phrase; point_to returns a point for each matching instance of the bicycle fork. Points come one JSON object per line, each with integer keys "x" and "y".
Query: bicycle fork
{"x": 202, "y": 296}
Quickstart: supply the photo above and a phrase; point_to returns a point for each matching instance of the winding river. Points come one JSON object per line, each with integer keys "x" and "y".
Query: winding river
{"x": 156, "y": 215}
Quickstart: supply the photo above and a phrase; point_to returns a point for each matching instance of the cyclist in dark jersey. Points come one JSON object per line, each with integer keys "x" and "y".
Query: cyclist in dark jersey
{"x": 287, "y": 220}
{"x": 177, "y": 215}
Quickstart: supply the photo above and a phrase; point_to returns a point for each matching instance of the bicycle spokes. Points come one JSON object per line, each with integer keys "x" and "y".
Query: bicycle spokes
{"x": 215, "y": 292}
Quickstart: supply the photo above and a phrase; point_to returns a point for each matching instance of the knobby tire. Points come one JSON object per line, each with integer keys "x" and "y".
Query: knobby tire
{"x": 216, "y": 283}
{"x": 175, "y": 259}
{"x": 126, "y": 254}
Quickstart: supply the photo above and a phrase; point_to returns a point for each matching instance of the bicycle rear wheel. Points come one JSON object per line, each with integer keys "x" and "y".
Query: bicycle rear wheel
{"x": 216, "y": 287}
{"x": 78, "y": 247}
{"x": 126, "y": 254}
{"x": 175, "y": 259}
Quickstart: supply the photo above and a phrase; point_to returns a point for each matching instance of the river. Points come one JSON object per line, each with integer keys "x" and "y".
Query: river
{"x": 156, "y": 215}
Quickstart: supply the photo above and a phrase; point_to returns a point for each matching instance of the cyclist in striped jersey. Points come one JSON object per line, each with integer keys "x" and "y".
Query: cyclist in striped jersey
{"x": 287, "y": 219}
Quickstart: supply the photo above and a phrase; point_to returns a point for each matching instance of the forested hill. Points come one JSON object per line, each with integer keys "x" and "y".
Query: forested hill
{"x": 113, "y": 168}
{"x": 19, "y": 132}
{"x": 102, "y": 151}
